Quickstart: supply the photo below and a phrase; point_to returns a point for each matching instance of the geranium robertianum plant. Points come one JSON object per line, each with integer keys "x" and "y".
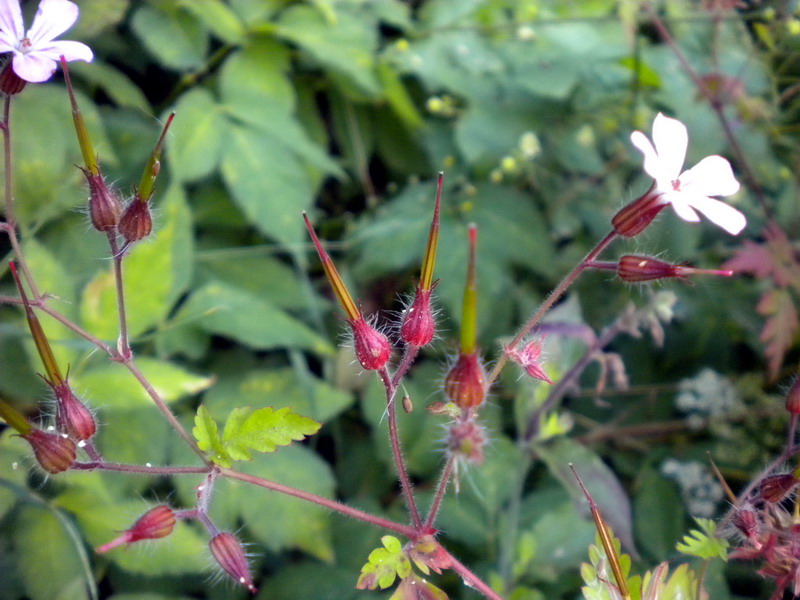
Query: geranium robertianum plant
{"x": 386, "y": 347}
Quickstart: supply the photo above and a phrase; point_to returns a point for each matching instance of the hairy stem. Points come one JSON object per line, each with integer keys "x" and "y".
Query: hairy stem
{"x": 471, "y": 579}
{"x": 165, "y": 410}
{"x": 548, "y": 304}
{"x": 441, "y": 488}
{"x": 141, "y": 469}
{"x": 399, "y": 461}
{"x": 123, "y": 346}
{"x": 11, "y": 223}
{"x": 405, "y": 530}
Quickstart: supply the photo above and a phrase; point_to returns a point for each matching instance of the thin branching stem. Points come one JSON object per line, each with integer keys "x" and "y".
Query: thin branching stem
{"x": 471, "y": 579}
{"x": 441, "y": 488}
{"x": 165, "y": 410}
{"x": 548, "y": 304}
{"x": 138, "y": 469}
{"x": 397, "y": 452}
{"x": 405, "y": 530}
{"x": 123, "y": 344}
{"x": 11, "y": 223}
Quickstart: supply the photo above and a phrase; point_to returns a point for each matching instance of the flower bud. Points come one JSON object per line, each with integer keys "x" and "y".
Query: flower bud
{"x": 418, "y": 323}
{"x": 10, "y": 82}
{"x": 156, "y": 523}
{"x": 464, "y": 384}
{"x": 636, "y": 216}
{"x": 372, "y": 347}
{"x": 72, "y": 416}
{"x": 466, "y": 439}
{"x": 777, "y": 487}
{"x": 104, "y": 204}
{"x": 746, "y": 521}
{"x": 528, "y": 359}
{"x": 55, "y": 452}
{"x": 136, "y": 222}
{"x": 228, "y": 552}
{"x": 793, "y": 398}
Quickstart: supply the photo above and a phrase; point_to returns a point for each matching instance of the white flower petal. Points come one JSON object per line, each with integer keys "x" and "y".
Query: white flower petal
{"x": 34, "y": 67}
{"x": 712, "y": 176}
{"x": 68, "y": 49}
{"x": 670, "y": 139}
{"x": 52, "y": 19}
{"x": 652, "y": 163}
{"x": 719, "y": 213}
{"x": 682, "y": 208}
{"x": 11, "y": 21}
{"x": 7, "y": 43}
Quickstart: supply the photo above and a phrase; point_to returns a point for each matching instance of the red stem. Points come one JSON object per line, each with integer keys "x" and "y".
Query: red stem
{"x": 471, "y": 579}
{"x": 141, "y": 469}
{"x": 548, "y": 304}
{"x": 360, "y": 515}
{"x": 399, "y": 461}
{"x": 441, "y": 488}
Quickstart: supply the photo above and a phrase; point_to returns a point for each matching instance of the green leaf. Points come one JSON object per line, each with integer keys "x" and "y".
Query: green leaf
{"x": 119, "y": 88}
{"x": 346, "y": 46}
{"x": 218, "y": 17}
{"x": 97, "y": 16}
{"x": 50, "y": 557}
{"x": 263, "y": 430}
{"x": 301, "y": 392}
{"x": 599, "y": 479}
{"x": 173, "y": 37}
{"x": 112, "y": 385}
{"x": 245, "y": 317}
{"x": 384, "y": 565}
{"x": 704, "y": 543}
{"x": 197, "y": 136}
{"x": 255, "y": 89}
{"x": 268, "y": 183}
{"x": 155, "y": 273}
{"x": 206, "y": 433}
{"x": 657, "y": 496}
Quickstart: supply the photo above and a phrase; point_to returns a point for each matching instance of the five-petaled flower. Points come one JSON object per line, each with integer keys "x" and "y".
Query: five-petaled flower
{"x": 688, "y": 192}
{"x": 36, "y": 53}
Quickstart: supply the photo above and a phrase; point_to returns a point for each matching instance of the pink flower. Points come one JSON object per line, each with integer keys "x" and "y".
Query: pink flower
{"x": 35, "y": 53}
{"x": 688, "y": 192}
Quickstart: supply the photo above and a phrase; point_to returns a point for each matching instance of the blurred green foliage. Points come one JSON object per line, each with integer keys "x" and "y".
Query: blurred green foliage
{"x": 348, "y": 109}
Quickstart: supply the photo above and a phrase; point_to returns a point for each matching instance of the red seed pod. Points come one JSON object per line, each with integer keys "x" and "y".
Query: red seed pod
{"x": 419, "y": 325}
{"x": 634, "y": 269}
{"x": 636, "y": 216}
{"x": 372, "y": 347}
{"x": 793, "y": 398}
{"x": 464, "y": 384}
{"x": 72, "y": 416}
{"x": 54, "y": 452}
{"x": 104, "y": 205}
{"x": 136, "y": 222}
{"x": 777, "y": 487}
{"x": 10, "y": 82}
{"x": 228, "y": 552}
{"x": 156, "y": 523}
